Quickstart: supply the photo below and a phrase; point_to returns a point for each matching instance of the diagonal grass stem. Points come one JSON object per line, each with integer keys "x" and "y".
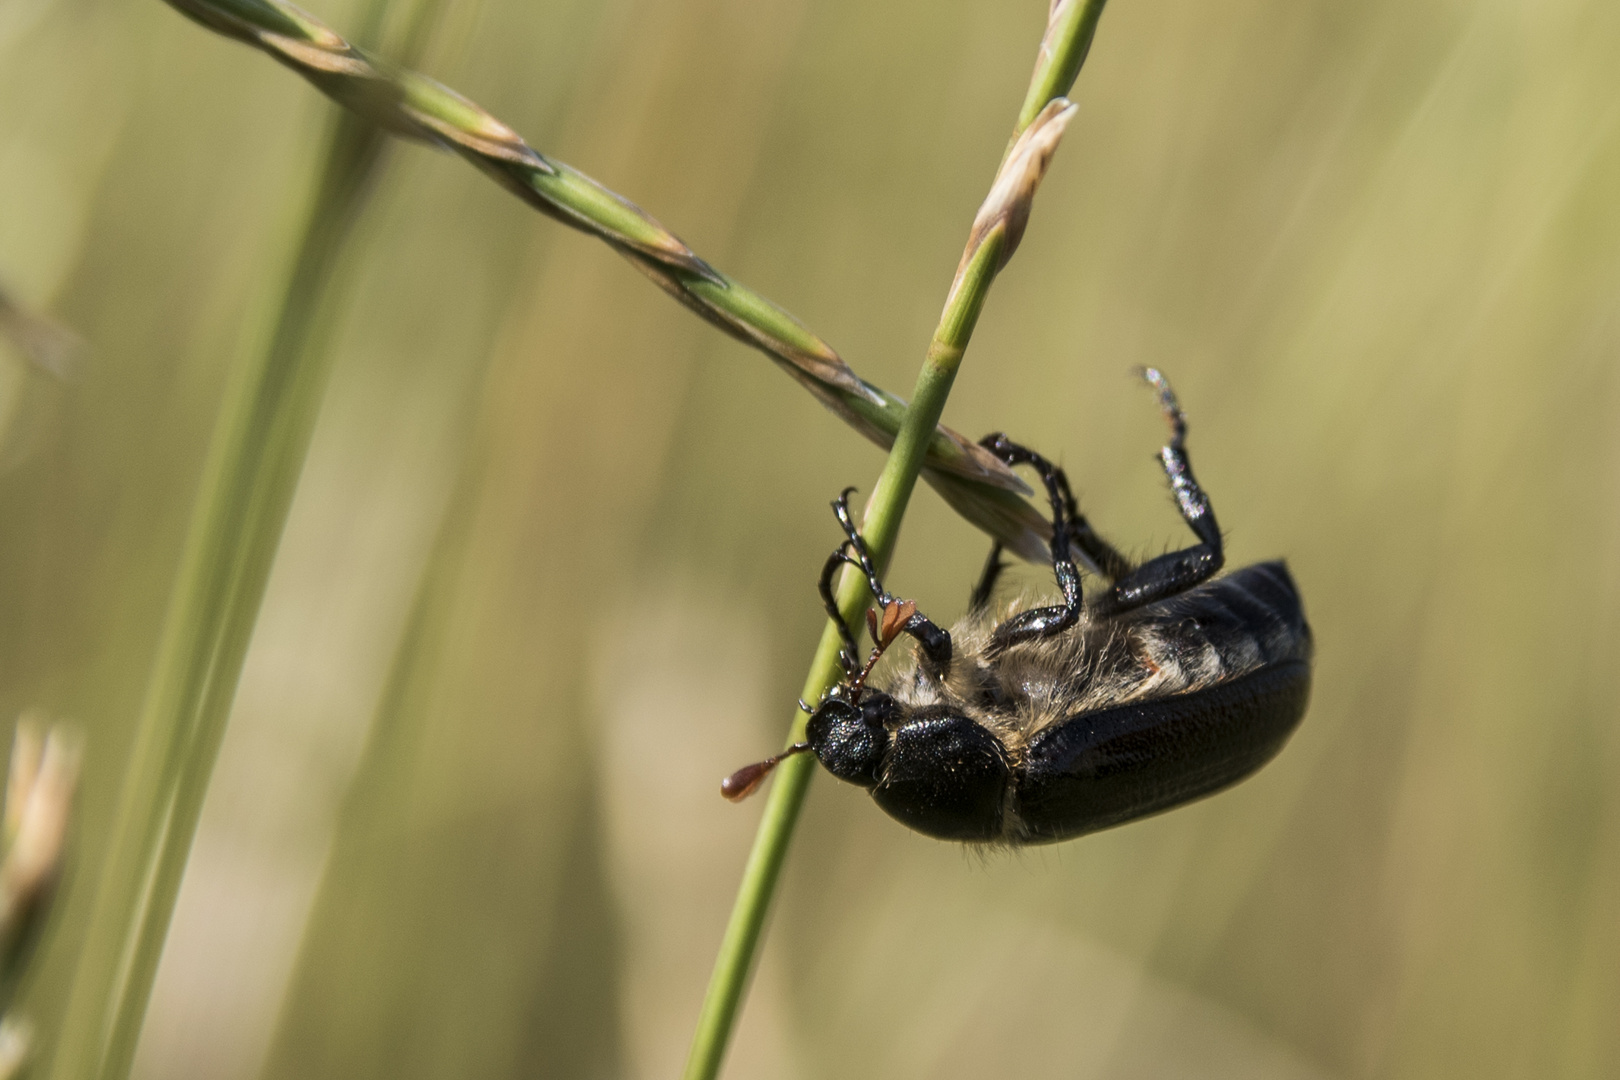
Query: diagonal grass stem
{"x": 407, "y": 104}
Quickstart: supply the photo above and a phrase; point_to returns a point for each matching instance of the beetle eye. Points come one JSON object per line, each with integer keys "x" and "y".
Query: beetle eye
{"x": 879, "y": 710}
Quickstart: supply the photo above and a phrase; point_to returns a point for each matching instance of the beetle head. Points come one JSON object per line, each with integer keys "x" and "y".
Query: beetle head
{"x": 851, "y": 738}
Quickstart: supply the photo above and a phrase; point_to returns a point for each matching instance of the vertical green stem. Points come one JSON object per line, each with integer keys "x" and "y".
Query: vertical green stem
{"x": 257, "y": 453}
{"x": 1069, "y": 30}
{"x": 884, "y": 511}
{"x": 1071, "y": 26}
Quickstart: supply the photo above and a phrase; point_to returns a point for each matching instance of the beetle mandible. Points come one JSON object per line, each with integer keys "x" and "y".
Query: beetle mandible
{"x": 1050, "y": 722}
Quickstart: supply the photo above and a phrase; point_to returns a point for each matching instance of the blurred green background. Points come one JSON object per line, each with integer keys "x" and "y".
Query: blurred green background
{"x": 549, "y": 572}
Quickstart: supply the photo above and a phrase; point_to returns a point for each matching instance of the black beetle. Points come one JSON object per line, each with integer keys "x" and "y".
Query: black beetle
{"x": 1046, "y": 723}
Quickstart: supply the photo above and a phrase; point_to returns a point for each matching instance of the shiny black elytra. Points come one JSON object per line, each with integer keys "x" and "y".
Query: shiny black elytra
{"x": 1050, "y": 722}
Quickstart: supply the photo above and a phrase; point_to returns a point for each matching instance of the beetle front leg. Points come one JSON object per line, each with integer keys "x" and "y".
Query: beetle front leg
{"x": 933, "y": 640}
{"x": 849, "y": 656}
{"x": 1179, "y": 570}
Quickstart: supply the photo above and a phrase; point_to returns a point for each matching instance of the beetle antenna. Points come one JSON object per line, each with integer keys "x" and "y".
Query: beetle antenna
{"x": 746, "y": 780}
{"x": 858, "y": 683}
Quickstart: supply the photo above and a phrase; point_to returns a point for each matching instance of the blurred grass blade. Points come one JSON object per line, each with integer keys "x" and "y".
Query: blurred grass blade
{"x": 246, "y": 491}
{"x": 16, "y": 1040}
{"x": 413, "y": 106}
{"x": 42, "y": 779}
{"x": 54, "y": 349}
{"x": 39, "y": 796}
{"x": 257, "y": 453}
{"x": 991, "y": 242}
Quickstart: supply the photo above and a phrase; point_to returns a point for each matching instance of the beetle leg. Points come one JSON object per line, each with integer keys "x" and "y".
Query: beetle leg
{"x": 1047, "y": 621}
{"x": 1179, "y": 570}
{"x": 935, "y": 641}
{"x": 849, "y": 655}
{"x": 1104, "y": 557}
{"x": 979, "y": 599}
{"x": 1095, "y": 553}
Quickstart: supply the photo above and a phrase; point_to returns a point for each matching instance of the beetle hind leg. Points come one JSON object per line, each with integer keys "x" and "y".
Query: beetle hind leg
{"x": 1177, "y": 571}
{"x": 979, "y": 599}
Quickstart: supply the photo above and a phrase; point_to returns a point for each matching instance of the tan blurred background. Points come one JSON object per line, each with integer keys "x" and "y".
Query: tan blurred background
{"x": 549, "y": 573}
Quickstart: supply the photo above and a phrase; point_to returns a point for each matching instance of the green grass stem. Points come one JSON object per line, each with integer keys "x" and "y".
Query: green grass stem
{"x": 990, "y": 245}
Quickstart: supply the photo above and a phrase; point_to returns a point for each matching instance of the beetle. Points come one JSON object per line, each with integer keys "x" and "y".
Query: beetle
{"x": 1036, "y": 724}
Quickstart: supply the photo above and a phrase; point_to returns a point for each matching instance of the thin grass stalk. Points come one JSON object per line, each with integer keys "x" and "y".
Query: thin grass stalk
{"x": 979, "y": 486}
{"x": 995, "y": 235}
{"x": 257, "y": 453}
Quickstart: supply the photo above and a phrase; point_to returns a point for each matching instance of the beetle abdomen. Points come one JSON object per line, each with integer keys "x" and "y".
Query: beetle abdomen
{"x": 1111, "y": 766}
{"x": 1252, "y": 617}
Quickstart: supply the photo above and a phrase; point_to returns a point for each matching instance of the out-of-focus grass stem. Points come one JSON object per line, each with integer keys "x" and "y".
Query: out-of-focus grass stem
{"x": 995, "y": 235}
{"x": 257, "y": 453}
